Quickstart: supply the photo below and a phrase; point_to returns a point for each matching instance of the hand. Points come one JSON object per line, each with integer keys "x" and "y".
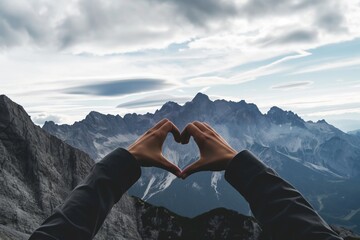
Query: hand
{"x": 147, "y": 149}
{"x": 215, "y": 152}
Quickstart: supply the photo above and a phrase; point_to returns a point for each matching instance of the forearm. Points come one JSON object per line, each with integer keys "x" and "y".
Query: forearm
{"x": 85, "y": 209}
{"x": 279, "y": 207}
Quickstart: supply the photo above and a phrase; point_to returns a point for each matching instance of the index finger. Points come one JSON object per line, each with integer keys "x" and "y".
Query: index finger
{"x": 215, "y": 132}
{"x": 191, "y": 130}
{"x": 170, "y": 127}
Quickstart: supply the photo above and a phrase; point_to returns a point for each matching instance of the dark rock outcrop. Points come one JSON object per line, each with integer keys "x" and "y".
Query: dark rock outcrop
{"x": 37, "y": 172}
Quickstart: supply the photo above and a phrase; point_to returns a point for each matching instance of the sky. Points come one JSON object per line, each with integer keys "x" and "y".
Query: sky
{"x": 62, "y": 59}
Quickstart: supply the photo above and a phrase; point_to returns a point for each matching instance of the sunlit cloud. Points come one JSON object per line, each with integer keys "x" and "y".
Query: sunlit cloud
{"x": 334, "y": 112}
{"x": 343, "y": 63}
{"x": 292, "y": 85}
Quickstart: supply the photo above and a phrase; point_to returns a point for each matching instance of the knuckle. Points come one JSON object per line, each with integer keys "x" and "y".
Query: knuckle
{"x": 207, "y": 136}
{"x": 157, "y": 133}
{"x": 187, "y": 126}
{"x": 212, "y": 134}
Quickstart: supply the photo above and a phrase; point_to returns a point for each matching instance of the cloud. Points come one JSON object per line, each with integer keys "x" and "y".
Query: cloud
{"x": 118, "y": 26}
{"x": 19, "y": 24}
{"x": 153, "y": 101}
{"x": 334, "y": 112}
{"x": 292, "y": 85}
{"x": 343, "y": 63}
{"x": 269, "y": 68}
{"x": 119, "y": 87}
{"x": 332, "y": 21}
{"x": 256, "y": 8}
{"x": 125, "y": 26}
{"x": 199, "y": 12}
{"x": 106, "y": 27}
{"x": 298, "y": 36}
{"x": 42, "y": 118}
{"x": 285, "y": 38}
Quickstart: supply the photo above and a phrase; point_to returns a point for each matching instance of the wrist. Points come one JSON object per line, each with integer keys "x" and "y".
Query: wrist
{"x": 229, "y": 157}
{"x": 135, "y": 154}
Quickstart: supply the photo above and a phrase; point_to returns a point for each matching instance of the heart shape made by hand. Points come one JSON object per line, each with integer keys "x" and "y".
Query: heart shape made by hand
{"x": 215, "y": 152}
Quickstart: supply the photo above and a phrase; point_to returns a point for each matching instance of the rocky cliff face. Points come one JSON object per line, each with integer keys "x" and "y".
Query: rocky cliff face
{"x": 37, "y": 171}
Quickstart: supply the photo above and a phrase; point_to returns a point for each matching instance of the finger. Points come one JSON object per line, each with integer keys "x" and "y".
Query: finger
{"x": 157, "y": 126}
{"x": 201, "y": 126}
{"x": 214, "y": 131}
{"x": 160, "y": 123}
{"x": 169, "y": 166}
{"x": 192, "y": 168}
{"x": 191, "y": 130}
{"x": 170, "y": 127}
{"x": 210, "y": 128}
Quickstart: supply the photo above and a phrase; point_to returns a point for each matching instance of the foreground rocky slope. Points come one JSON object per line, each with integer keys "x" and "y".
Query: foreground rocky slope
{"x": 38, "y": 171}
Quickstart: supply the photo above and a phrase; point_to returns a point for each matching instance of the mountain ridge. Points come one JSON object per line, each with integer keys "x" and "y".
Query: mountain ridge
{"x": 38, "y": 171}
{"x": 323, "y": 157}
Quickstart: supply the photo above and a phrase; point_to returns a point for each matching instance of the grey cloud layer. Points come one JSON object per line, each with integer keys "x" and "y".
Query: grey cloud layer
{"x": 202, "y": 11}
{"x": 298, "y": 36}
{"x": 118, "y": 87}
{"x": 18, "y": 24}
{"x": 103, "y": 26}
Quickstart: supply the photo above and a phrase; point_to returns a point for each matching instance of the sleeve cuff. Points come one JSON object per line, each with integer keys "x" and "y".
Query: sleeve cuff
{"x": 243, "y": 169}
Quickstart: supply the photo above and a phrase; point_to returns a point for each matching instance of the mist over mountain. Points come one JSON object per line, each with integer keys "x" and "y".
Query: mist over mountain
{"x": 317, "y": 158}
{"x": 355, "y": 132}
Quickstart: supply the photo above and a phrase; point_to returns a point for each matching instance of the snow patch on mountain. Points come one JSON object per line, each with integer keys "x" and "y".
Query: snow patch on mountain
{"x": 196, "y": 186}
{"x": 171, "y": 155}
{"x": 215, "y": 178}
{"x": 152, "y": 180}
{"x": 321, "y": 169}
{"x": 159, "y": 186}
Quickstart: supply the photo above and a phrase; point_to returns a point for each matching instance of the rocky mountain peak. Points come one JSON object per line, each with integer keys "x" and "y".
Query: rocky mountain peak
{"x": 279, "y": 116}
{"x": 94, "y": 117}
{"x": 169, "y": 107}
{"x": 13, "y": 118}
{"x": 10, "y": 109}
{"x": 201, "y": 98}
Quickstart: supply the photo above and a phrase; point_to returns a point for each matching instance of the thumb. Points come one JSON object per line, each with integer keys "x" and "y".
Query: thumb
{"x": 192, "y": 168}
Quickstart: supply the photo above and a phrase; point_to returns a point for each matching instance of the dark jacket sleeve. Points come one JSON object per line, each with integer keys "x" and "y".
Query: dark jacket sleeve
{"x": 85, "y": 209}
{"x": 281, "y": 210}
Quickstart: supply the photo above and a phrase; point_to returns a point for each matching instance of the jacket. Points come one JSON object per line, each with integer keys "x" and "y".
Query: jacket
{"x": 281, "y": 210}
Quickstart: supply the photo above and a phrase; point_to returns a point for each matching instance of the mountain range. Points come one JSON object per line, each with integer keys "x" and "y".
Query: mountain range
{"x": 320, "y": 160}
{"x": 39, "y": 170}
